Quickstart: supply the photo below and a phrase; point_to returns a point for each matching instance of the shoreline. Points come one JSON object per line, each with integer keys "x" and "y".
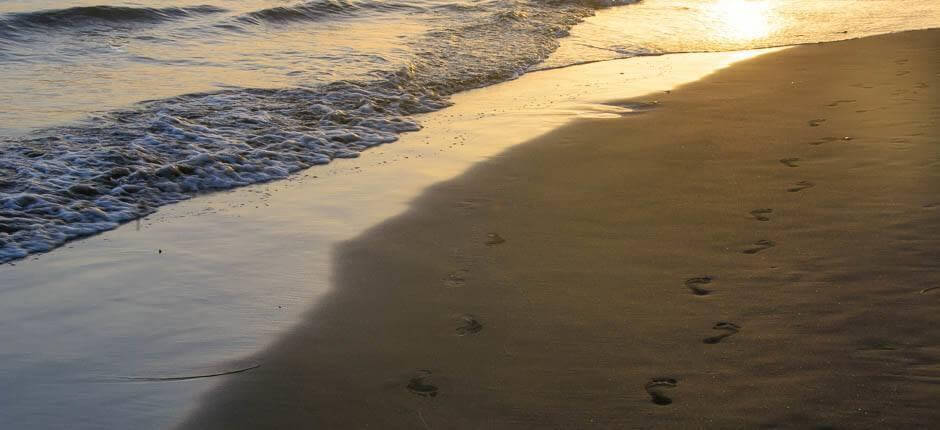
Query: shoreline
{"x": 759, "y": 249}
{"x": 199, "y": 286}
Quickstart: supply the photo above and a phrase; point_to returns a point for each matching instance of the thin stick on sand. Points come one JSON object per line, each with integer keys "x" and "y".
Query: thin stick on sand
{"x": 188, "y": 377}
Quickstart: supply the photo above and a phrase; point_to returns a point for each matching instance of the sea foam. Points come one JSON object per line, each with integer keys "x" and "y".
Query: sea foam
{"x": 64, "y": 183}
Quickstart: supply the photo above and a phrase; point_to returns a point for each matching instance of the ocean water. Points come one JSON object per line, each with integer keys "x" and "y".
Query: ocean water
{"x": 114, "y": 108}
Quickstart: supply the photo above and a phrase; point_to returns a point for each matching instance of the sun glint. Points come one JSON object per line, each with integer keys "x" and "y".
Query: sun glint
{"x": 741, "y": 19}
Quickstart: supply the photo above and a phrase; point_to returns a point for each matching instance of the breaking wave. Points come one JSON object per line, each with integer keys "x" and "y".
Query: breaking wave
{"x": 97, "y": 15}
{"x": 313, "y": 11}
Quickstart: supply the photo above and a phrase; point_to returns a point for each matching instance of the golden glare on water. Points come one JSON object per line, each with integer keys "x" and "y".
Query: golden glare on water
{"x": 741, "y": 20}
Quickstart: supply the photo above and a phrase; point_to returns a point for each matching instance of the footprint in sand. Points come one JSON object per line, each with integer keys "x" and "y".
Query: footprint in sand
{"x": 419, "y": 385}
{"x": 655, "y": 386}
{"x": 759, "y": 246}
{"x": 878, "y": 345}
{"x": 838, "y": 102}
{"x": 471, "y": 325}
{"x": 695, "y": 284}
{"x": 493, "y": 239}
{"x": 826, "y": 139}
{"x": 800, "y": 186}
{"x": 816, "y": 122}
{"x": 456, "y": 279}
{"x": 730, "y": 329}
{"x": 761, "y": 214}
{"x": 472, "y": 203}
{"x": 790, "y": 162}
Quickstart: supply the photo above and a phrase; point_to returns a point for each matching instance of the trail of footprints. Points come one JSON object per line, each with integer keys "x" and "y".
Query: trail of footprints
{"x": 468, "y": 325}
{"x": 656, "y": 388}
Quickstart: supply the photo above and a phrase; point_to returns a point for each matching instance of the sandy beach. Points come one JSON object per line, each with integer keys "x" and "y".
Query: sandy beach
{"x": 753, "y": 250}
{"x": 239, "y": 269}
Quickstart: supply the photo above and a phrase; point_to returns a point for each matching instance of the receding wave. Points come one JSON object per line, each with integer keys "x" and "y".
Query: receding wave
{"x": 64, "y": 183}
{"x": 108, "y": 15}
{"x": 316, "y": 10}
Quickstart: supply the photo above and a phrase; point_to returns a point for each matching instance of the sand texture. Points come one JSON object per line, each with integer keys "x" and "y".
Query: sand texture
{"x": 758, "y": 249}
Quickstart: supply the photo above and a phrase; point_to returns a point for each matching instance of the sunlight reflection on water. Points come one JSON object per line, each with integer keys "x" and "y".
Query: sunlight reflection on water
{"x": 658, "y": 27}
{"x": 742, "y": 20}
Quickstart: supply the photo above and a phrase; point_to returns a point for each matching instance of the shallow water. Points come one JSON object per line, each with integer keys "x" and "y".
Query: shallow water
{"x": 291, "y": 90}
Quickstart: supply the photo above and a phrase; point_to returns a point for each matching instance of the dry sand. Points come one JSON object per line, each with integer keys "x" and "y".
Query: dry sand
{"x": 555, "y": 286}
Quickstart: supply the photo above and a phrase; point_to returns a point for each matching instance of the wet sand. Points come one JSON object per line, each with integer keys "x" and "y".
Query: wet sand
{"x": 240, "y": 268}
{"x": 756, "y": 249}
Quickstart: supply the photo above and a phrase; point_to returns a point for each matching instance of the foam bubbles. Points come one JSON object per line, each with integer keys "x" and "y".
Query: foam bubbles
{"x": 65, "y": 183}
